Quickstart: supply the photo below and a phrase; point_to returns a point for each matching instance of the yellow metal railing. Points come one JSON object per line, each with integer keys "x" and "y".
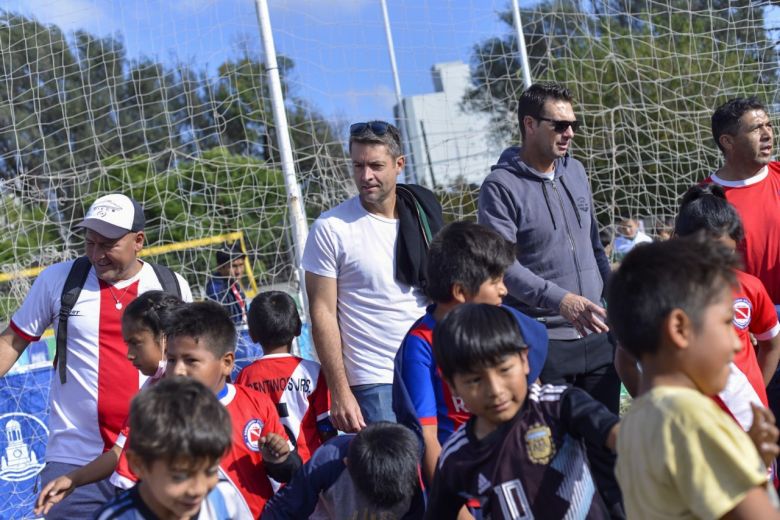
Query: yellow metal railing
{"x": 161, "y": 250}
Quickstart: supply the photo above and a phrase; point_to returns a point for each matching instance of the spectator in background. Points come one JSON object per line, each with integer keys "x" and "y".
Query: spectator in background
{"x": 664, "y": 228}
{"x": 224, "y": 284}
{"x": 628, "y": 236}
{"x": 224, "y": 287}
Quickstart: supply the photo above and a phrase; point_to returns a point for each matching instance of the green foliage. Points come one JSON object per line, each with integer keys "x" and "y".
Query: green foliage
{"x": 216, "y": 193}
{"x": 79, "y": 119}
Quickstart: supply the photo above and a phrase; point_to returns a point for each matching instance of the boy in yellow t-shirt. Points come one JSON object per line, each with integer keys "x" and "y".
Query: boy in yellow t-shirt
{"x": 679, "y": 455}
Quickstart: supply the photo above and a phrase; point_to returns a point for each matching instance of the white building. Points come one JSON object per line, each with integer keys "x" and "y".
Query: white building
{"x": 448, "y": 144}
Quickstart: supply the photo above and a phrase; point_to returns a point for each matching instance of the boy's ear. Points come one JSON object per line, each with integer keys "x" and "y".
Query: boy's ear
{"x": 137, "y": 466}
{"x": 678, "y": 327}
{"x": 524, "y": 359}
{"x": 458, "y": 293}
{"x": 228, "y": 359}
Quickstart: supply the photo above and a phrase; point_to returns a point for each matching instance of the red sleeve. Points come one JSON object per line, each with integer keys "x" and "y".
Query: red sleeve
{"x": 320, "y": 399}
{"x": 763, "y": 322}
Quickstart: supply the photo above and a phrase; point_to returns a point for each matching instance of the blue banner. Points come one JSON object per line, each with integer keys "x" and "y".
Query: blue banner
{"x": 24, "y": 401}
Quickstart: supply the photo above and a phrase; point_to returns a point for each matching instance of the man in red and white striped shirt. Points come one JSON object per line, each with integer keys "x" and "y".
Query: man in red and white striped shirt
{"x": 89, "y": 407}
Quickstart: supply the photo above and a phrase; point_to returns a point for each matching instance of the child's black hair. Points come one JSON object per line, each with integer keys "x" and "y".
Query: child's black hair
{"x": 657, "y": 278}
{"x": 466, "y": 253}
{"x": 474, "y": 336}
{"x": 383, "y": 461}
{"x": 205, "y": 321}
{"x": 273, "y": 319}
{"x": 178, "y": 419}
{"x": 704, "y": 208}
{"x": 152, "y": 310}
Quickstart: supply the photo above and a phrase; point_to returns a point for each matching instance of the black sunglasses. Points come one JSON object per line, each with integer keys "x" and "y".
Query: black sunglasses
{"x": 561, "y": 126}
{"x": 379, "y": 128}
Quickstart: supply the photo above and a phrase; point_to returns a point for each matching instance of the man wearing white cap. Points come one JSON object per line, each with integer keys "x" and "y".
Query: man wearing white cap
{"x": 94, "y": 383}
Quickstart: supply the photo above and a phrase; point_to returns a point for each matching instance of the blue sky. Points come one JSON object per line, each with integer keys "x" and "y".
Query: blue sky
{"x": 339, "y": 46}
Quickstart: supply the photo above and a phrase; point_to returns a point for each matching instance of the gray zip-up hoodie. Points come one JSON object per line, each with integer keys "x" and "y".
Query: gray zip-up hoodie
{"x": 553, "y": 225}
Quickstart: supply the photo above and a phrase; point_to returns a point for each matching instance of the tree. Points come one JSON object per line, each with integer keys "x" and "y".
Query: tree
{"x": 73, "y": 108}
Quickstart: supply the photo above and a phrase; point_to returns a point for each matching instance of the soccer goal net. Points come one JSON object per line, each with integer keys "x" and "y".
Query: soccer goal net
{"x": 168, "y": 102}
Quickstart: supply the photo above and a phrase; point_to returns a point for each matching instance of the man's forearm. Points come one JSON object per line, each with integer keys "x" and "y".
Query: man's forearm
{"x": 327, "y": 343}
{"x": 11, "y": 347}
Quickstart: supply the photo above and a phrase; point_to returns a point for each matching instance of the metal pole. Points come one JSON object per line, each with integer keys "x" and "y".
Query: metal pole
{"x": 300, "y": 228}
{"x": 398, "y": 97}
{"x": 521, "y": 44}
{"x": 428, "y": 154}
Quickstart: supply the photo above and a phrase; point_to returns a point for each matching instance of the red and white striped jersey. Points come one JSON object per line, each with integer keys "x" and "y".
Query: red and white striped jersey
{"x": 298, "y": 388}
{"x": 123, "y": 477}
{"x": 87, "y": 411}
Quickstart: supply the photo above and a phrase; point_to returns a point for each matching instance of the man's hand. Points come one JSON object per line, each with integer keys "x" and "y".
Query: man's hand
{"x": 53, "y": 493}
{"x": 764, "y": 433}
{"x": 345, "y": 412}
{"x": 583, "y": 314}
{"x": 275, "y": 448}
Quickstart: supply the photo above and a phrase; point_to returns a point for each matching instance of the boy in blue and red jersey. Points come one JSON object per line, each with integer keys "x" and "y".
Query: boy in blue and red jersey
{"x": 466, "y": 263}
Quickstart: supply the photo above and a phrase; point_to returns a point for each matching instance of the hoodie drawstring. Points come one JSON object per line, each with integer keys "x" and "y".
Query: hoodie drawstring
{"x": 571, "y": 199}
{"x": 547, "y": 201}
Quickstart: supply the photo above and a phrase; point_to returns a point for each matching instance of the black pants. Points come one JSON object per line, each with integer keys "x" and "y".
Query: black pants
{"x": 588, "y": 363}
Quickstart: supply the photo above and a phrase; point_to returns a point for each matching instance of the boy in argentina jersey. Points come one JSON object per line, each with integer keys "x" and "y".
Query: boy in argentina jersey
{"x": 522, "y": 454}
{"x": 295, "y": 385}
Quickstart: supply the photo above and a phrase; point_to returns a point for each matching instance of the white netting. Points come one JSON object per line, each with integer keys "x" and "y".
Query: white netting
{"x": 167, "y": 101}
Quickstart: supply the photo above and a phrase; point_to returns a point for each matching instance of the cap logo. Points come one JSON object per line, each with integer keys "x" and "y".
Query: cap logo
{"x": 102, "y": 209}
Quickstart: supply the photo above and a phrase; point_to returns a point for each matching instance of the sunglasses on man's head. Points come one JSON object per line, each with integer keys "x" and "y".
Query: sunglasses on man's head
{"x": 379, "y": 128}
{"x": 561, "y": 126}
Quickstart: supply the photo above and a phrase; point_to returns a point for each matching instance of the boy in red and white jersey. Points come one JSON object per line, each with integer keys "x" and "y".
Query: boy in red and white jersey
{"x": 295, "y": 385}
{"x": 201, "y": 344}
{"x": 704, "y": 209}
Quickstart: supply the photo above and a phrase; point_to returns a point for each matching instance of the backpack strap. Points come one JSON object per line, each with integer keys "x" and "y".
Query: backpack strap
{"x": 167, "y": 279}
{"x": 70, "y": 294}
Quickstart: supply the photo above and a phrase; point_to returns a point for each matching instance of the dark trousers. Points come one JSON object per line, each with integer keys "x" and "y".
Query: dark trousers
{"x": 84, "y": 502}
{"x": 588, "y": 363}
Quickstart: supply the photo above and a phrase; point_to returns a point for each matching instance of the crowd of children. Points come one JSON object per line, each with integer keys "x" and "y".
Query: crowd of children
{"x": 478, "y": 435}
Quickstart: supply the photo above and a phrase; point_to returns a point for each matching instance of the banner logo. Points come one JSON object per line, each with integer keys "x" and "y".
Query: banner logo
{"x": 24, "y": 443}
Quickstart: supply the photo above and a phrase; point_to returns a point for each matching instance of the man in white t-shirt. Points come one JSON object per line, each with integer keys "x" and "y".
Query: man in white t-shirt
{"x": 90, "y": 399}
{"x": 359, "y": 311}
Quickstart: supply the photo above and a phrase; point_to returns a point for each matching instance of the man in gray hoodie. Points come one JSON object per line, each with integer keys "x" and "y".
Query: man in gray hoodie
{"x": 539, "y": 198}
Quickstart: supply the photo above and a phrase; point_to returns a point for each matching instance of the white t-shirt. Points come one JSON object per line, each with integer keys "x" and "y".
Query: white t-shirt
{"x": 87, "y": 411}
{"x": 374, "y": 310}
{"x": 623, "y": 244}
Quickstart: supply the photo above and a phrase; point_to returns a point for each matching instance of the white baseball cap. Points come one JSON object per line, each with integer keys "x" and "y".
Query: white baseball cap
{"x": 113, "y": 216}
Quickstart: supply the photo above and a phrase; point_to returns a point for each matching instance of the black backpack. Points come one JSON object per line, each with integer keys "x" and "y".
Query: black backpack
{"x": 70, "y": 294}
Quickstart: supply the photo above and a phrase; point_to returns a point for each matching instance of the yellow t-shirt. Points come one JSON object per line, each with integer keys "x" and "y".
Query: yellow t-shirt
{"x": 680, "y": 456}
